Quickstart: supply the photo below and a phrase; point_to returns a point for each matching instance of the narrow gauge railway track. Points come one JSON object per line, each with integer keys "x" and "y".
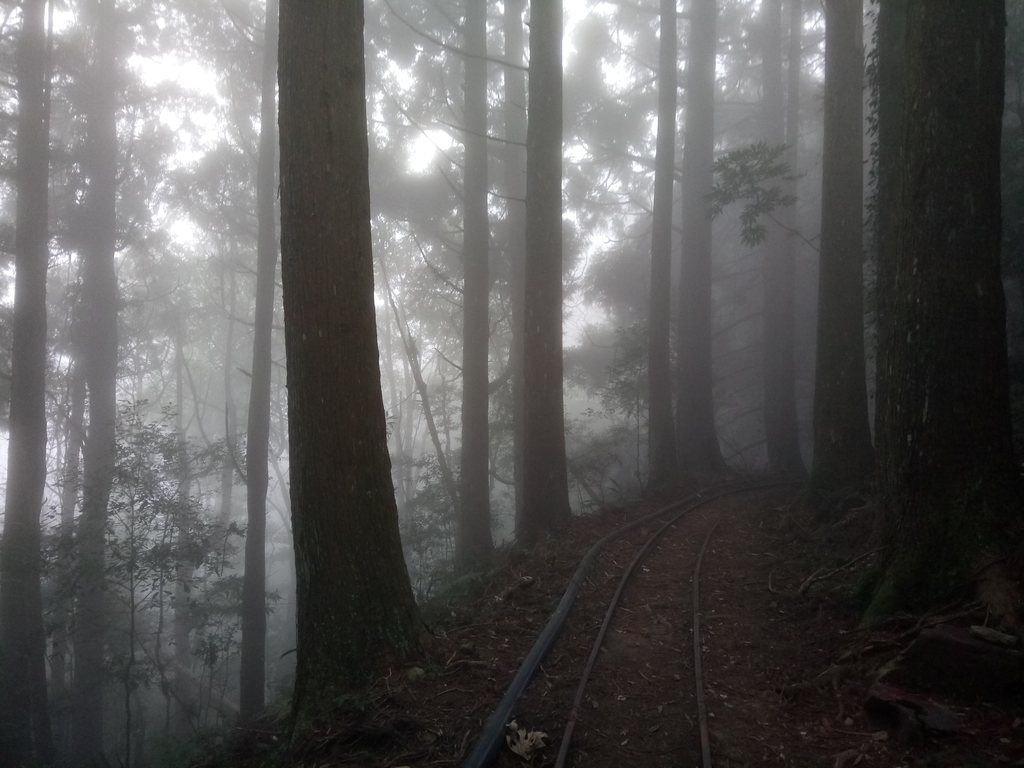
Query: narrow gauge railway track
{"x": 691, "y": 522}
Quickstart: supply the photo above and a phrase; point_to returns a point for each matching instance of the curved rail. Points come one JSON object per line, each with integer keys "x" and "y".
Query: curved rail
{"x": 563, "y": 750}
{"x": 488, "y": 745}
{"x": 698, "y": 673}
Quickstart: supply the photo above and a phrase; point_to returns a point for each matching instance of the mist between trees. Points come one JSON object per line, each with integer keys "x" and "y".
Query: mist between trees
{"x": 652, "y": 276}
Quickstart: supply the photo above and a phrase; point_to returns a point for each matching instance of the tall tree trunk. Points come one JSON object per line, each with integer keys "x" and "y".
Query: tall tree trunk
{"x": 24, "y": 720}
{"x": 787, "y": 216}
{"x": 892, "y": 29}
{"x": 473, "y": 532}
{"x": 99, "y": 356}
{"x": 227, "y": 475}
{"x": 412, "y": 355}
{"x": 355, "y": 603}
{"x": 254, "y": 586}
{"x": 184, "y": 721}
{"x": 545, "y": 482}
{"x": 661, "y": 439}
{"x": 696, "y": 437}
{"x": 780, "y": 422}
{"x": 948, "y": 482}
{"x": 74, "y": 435}
{"x": 842, "y": 438}
{"x": 515, "y": 205}
{"x": 398, "y": 428}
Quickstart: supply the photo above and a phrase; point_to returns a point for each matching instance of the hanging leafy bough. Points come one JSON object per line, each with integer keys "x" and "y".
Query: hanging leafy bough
{"x": 746, "y": 174}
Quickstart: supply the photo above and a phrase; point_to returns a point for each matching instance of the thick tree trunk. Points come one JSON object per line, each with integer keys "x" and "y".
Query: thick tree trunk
{"x": 254, "y": 589}
{"x": 355, "y": 604}
{"x": 780, "y": 422}
{"x": 696, "y": 437}
{"x": 99, "y": 357}
{"x": 892, "y": 27}
{"x": 842, "y": 438}
{"x": 24, "y": 720}
{"x": 515, "y": 204}
{"x": 661, "y": 439}
{"x": 946, "y": 470}
{"x": 545, "y": 483}
{"x": 473, "y": 532}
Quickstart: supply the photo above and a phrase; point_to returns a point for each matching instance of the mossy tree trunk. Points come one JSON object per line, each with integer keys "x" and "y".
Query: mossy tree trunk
{"x": 946, "y": 470}
{"x": 355, "y": 604}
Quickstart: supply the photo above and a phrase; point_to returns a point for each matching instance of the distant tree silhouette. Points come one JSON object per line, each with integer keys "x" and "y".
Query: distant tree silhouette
{"x": 780, "y": 420}
{"x": 842, "y": 438}
{"x": 24, "y": 715}
{"x": 257, "y": 474}
{"x": 99, "y": 348}
{"x": 473, "y": 536}
{"x": 696, "y": 439}
{"x": 661, "y": 439}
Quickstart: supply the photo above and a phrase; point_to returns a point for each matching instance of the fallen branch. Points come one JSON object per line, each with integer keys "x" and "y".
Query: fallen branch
{"x": 814, "y": 577}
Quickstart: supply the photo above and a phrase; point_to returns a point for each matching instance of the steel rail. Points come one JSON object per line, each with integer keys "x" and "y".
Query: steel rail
{"x": 563, "y": 750}
{"x": 698, "y": 673}
{"x": 487, "y": 747}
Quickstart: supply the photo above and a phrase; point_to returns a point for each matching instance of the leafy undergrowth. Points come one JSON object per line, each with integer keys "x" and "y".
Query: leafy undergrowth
{"x": 787, "y": 667}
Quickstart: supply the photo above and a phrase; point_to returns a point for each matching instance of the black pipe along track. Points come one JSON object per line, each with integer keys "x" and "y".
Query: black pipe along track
{"x": 488, "y": 745}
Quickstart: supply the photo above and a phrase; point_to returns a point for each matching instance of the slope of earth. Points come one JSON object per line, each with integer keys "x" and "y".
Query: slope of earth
{"x": 786, "y": 669}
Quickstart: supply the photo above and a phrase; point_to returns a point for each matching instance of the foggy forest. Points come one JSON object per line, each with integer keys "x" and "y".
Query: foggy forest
{"x": 316, "y": 316}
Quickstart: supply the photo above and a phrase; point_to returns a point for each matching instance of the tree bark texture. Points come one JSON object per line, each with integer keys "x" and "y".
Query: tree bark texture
{"x": 661, "y": 438}
{"x": 545, "y": 483}
{"x": 355, "y": 604}
{"x": 24, "y": 735}
{"x": 99, "y": 360}
{"x": 842, "y": 437}
{"x": 514, "y": 168}
{"x": 696, "y": 437}
{"x": 780, "y": 421}
{"x": 946, "y": 470}
{"x": 473, "y": 532}
{"x": 252, "y": 671}
{"x": 892, "y": 30}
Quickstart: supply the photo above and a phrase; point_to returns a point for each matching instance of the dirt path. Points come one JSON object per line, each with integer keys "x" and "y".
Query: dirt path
{"x": 786, "y": 673}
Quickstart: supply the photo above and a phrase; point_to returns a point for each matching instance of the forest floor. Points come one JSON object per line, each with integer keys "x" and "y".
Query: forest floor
{"x": 787, "y": 668}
